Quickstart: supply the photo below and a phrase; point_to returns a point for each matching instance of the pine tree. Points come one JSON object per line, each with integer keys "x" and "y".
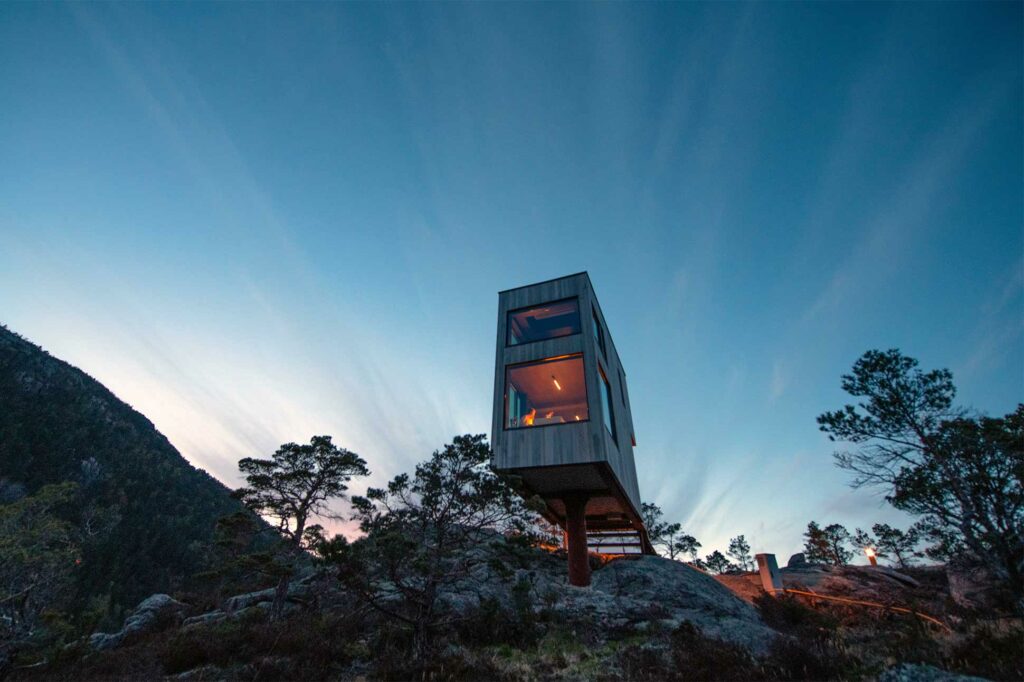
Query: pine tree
{"x": 717, "y": 562}
{"x": 294, "y": 487}
{"x": 827, "y": 545}
{"x": 739, "y": 550}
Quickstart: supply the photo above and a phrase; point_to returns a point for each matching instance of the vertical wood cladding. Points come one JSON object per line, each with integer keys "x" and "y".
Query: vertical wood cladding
{"x": 574, "y": 442}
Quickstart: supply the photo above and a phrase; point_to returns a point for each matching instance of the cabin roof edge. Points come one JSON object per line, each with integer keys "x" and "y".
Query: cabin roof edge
{"x": 553, "y": 279}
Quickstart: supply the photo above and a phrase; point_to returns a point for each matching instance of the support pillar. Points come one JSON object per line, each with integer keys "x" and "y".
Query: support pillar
{"x": 576, "y": 532}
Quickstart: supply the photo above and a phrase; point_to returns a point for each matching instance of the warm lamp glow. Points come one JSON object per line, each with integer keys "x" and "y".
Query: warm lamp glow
{"x": 869, "y": 551}
{"x": 557, "y": 385}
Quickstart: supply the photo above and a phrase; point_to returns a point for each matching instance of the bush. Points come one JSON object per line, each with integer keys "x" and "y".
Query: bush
{"x": 790, "y": 615}
{"x": 985, "y": 652}
{"x": 690, "y": 655}
{"x": 799, "y": 659}
{"x": 308, "y": 646}
{"x": 812, "y": 647}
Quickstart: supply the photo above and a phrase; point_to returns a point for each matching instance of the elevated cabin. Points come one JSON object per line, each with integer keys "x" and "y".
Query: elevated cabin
{"x": 562, "y": 420}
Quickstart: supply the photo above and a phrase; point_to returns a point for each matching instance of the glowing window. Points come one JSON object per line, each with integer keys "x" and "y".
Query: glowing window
{"x": 549, "y": 321}
{"x": 545, "y": 393}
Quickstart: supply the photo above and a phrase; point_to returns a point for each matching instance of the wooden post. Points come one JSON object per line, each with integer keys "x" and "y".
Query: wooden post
{"x": 771, "y": 579}
{"x": 576, "y": 530}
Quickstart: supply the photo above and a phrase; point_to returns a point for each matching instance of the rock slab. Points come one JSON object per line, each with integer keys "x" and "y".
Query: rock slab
{"x": 153, "y": 613}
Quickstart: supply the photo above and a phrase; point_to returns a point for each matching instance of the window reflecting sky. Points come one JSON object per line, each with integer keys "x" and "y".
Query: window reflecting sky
{"x": 255, "y": 223}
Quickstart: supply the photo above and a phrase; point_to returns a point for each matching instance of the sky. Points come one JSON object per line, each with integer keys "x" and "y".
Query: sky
{"x": 259, "y": 222}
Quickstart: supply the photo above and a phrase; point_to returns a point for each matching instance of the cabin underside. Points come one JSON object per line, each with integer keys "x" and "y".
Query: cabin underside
{"x": 613, "y": 525}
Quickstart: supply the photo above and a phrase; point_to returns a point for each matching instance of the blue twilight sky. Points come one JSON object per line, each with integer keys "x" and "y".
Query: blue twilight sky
{"x": 256, "y": 223}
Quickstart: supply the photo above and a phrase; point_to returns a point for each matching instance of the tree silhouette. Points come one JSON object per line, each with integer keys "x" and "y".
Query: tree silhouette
{"x": 827, "y": 545}
{"x": 294, "y": 487}
{"x": 657, "y": 528}
{"x": 739, "y": 550}
{"x": 429, "y": 535}
{"x": 717, "y": 562}
{"x": 896, "y": 545}
{"x": 683, "y": 543}
{"x": 668, "y": 537}
{"x": 964, "y": 476}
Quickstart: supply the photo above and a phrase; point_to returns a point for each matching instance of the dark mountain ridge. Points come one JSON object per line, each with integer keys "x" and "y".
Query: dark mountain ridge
{"x": 148, "y": 513}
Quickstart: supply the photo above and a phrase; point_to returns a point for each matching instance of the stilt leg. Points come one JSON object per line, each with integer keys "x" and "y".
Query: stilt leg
{"x": 576, "y": 530}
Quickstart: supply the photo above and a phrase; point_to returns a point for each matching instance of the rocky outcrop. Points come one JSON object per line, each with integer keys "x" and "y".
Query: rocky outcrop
{"x": 154, "y": 613}
{"x": 241, "y": 604}
{"x": 675, "y": 593}
{"x": 797, "y": 560}
{"x": 870, "y": 583}
{"x": 913, "y": 672}
{"x": 973, "y": 585}
{"x": 632, "y": 594}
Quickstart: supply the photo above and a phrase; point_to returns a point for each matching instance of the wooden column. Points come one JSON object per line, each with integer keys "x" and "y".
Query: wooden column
{"x": 771, "y": 579}
{"x": 576, "y": 530}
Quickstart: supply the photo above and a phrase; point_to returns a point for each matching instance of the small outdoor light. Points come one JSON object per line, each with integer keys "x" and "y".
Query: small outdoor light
{"x": 870, "y": 552}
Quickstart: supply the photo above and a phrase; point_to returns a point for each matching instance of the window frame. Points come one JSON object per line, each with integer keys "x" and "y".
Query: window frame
{"x": 510, "y": 313}
{"x": 606, "y": 401}
{"x": 599, "y": 332}
{"x": 504, "y": 398}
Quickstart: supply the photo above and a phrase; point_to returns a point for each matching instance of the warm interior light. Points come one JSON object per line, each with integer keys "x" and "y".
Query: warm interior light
{"x": 557, "y": 385}
{"x": 577, "y": 417}
{"x": 549, "y": 415}
{"x": 869, "y": 551}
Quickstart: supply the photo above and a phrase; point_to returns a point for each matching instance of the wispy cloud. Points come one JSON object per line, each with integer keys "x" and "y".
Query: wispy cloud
{"x": 892, "y": 230}
{"x": 1000, "y": 325}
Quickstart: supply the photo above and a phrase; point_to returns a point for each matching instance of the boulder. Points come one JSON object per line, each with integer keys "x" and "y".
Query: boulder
{"x": 204, "y": 619}
{"x": 242, "y": 601}
{"x": 636, "y": 589}
{"x": 153, "y": 613}
{"x": 895, "y": 576}
{"x": 796, "y": 560}
{"x": 297, "y": 592}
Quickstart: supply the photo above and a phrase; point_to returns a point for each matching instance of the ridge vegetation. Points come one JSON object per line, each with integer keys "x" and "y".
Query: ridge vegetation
{"x": 455, "y": 576}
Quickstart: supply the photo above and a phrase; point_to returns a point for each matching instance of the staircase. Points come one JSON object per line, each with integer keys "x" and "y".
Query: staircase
{"x": 618, "y": 541}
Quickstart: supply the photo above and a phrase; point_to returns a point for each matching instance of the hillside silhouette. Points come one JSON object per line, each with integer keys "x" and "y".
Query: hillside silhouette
{"x": 150, "y": 513}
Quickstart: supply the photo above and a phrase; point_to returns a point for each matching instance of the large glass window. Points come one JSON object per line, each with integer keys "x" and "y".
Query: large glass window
{"x": 606, "y": 404}
{"x": 549, "y": 321}
{"x": 547, "y": 392}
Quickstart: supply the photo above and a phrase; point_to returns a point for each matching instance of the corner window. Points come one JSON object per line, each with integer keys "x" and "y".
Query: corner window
{"x": 544, "y": 393}
{"x": 549, "y": 321}
{"x": 606, "y": 404}
{"x": 599, "y": 334}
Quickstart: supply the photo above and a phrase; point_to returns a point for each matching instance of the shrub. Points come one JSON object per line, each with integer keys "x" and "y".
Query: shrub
{"x": 985, "y": 652}
{"x": 788, "y": 614}
{"x": 309, "y": 646}
{"x": 690, "y": 655}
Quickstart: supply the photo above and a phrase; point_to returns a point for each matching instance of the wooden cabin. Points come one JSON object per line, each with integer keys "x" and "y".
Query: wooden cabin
{"x": 562, "y": 421}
